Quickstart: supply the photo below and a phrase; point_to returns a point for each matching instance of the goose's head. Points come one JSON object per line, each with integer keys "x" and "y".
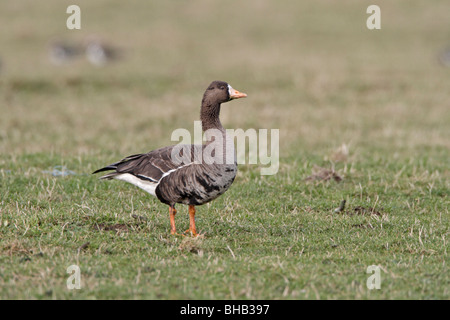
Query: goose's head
{"x": 220, "y": 92}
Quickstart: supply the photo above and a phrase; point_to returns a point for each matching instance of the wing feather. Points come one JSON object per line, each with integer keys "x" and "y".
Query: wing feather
{"x": 150, "y": 166}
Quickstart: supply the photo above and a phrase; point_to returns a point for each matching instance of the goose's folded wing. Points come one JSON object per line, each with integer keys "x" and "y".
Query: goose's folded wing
{"x": 151, "y": 166}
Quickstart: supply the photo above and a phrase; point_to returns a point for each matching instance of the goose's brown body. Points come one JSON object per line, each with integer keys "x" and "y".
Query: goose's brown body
{"x": 192, "y": 181}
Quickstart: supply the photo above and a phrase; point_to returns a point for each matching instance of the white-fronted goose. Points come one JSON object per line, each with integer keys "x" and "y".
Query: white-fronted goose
{"x": 196, "y": 180}
{"x": 61, "y": 53}
{"x": 444, "y": 57}
{"x": 100, "y": 54}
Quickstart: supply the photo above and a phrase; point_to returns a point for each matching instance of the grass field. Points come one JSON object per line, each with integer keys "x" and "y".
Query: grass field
{"x": 372, "y": 105}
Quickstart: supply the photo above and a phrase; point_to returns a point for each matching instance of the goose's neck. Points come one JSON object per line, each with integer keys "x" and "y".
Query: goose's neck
{"x": 223, "y": 144}
{"x": 209, "y": 115}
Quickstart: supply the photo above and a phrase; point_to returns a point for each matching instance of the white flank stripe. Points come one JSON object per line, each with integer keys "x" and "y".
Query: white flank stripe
{"x": 173, "y": 170}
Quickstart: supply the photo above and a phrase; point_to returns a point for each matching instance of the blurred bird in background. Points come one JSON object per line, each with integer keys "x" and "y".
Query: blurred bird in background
{"x": 95, "y": 50}
{"x": 61, "y": 53}
{"x": 100, "y": 54}
{"x": 444, "y": 57}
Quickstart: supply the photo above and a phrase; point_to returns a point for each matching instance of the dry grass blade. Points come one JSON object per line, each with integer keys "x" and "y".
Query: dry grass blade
{"x": 140, "y": 219}
{"x": 341, "y": 207}
{"x": 83, "y": 246}
{"x": 341, "y": 154}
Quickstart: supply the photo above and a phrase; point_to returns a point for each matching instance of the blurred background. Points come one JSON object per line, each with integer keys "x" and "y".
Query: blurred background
{"x": 137, "y": 70}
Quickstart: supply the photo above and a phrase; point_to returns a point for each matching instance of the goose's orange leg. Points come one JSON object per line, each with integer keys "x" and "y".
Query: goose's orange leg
{"x": 192, "y": 229}
{"x": 172, "y": 213}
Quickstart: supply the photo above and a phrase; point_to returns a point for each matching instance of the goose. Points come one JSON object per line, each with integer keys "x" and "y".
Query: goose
{"x": 444, "y": 57}
{"x": 61, "y": 53}
{"x": 99, "y": 54}
{"x": 187, "y": 174}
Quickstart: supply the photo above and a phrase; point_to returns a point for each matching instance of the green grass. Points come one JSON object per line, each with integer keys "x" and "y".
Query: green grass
{"x": 311, "y": 69}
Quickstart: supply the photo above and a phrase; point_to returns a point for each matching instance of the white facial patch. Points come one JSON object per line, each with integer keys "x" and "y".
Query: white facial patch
{"x": 231, "y": 91}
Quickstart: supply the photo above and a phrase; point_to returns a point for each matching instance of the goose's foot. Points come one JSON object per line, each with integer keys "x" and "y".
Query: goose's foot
{"x": 193, "y": 233}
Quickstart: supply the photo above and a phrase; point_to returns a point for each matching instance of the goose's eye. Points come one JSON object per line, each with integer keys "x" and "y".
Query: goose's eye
{"x": 222, "y": 88}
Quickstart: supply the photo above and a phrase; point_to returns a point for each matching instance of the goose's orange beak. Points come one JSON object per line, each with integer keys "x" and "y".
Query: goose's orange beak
{"x": 234, "y": 94}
